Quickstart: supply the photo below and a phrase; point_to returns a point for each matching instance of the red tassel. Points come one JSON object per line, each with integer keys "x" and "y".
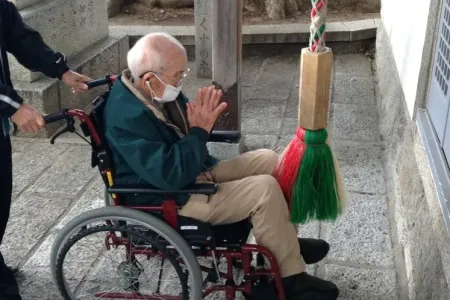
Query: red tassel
{"x": 287, "y": 169}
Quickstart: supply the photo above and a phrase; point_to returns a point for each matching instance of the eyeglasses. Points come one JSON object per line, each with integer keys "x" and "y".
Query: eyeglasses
{"x": 180, "y": 77}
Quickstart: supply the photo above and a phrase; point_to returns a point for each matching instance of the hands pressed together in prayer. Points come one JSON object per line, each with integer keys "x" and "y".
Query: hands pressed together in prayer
{"x": 206, "y": 109}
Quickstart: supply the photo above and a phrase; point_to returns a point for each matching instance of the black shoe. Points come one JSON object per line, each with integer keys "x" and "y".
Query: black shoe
{"x": 14, "y": 271}
{"x": 313, "y": 250}
{"x": 306, "y": 287}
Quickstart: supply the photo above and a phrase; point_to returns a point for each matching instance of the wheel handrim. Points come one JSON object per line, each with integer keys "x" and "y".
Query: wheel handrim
{"x": 128, "y": 286}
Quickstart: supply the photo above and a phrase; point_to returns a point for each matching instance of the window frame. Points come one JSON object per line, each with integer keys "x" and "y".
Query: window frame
{"x": 434, "y": 147}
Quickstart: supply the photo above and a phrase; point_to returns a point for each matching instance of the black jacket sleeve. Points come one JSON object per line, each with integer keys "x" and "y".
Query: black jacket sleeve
{"x": 27, "y": 45}
{"x": 9, "y": 101}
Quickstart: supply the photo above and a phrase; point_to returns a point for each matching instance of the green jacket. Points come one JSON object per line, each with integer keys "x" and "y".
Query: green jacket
{"x": 150, "y": 145}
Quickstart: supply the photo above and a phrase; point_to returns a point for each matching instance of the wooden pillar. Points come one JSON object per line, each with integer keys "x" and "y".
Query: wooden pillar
{"x": 227, "y": 60}
{"x": 314, "y": 92}
{"x": 203, "y": 37}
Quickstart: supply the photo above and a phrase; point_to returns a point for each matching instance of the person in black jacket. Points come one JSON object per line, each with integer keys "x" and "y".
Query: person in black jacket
{"x": 30, "y": 50}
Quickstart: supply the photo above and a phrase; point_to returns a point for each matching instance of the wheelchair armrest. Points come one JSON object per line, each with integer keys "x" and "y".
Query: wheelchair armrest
{"x": 224, "y": 136}
{"x": 203, "y": 188}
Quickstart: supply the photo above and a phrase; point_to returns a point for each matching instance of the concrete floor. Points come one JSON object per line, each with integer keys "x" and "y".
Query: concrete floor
{"x": 54, "y": 183}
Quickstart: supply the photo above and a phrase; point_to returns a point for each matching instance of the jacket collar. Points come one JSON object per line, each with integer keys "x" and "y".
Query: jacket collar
{"x": 128, "y": 81}
{"x": 158, "y": 110}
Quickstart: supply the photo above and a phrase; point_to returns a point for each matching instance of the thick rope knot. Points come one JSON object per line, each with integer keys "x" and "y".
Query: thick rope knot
{"x": 316, "y": 137}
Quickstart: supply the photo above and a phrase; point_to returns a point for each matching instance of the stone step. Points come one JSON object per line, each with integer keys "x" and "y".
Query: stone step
{"x": 68, "y": 26}
{"x": 23, "y": 3}
{"x": 349, "y": 31}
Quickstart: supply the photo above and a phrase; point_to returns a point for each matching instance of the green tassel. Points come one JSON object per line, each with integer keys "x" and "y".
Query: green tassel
{"x": 315, "y": 194}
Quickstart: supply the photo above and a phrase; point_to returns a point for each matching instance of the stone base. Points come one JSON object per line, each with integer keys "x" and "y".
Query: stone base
{"x": 224, "y": 151}
{"x": 419, "y": 234}
{"x": 114, "y": 7}
{"x": 50, "y": 95}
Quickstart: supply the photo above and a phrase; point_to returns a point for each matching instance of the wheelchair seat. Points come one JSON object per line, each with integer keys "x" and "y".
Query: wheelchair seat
{"x": 201, "y": 234}
{"x": 205, "y": 236}
{"x": 195, "y": 232}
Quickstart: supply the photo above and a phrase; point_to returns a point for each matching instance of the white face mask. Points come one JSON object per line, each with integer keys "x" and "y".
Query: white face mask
{"x": 170, "y": 92}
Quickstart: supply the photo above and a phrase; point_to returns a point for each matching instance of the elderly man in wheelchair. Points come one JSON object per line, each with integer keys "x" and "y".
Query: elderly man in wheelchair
{"x": 156, "y": 136}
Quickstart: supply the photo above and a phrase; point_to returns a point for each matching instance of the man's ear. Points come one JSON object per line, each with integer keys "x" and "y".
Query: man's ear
{"x": 146, "y": 78}
{"x": 154, "y": 82}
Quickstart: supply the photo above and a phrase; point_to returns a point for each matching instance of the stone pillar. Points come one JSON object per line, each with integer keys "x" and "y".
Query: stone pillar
{"x": 203, "y": 37}
{"x": 79, "y": 29}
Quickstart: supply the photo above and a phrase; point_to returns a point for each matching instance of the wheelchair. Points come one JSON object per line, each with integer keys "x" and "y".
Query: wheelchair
{"x": 203, "y": 259}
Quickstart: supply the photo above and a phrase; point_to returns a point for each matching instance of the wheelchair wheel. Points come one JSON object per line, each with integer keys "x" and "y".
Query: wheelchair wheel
{"x": 120, "y": 253}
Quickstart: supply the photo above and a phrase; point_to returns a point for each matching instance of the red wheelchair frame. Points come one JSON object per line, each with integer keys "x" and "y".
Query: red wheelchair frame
{"x": 169, "y": 210}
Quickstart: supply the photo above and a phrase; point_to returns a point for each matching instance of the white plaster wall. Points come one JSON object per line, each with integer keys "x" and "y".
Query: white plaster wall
{"x": 406, "y": 23}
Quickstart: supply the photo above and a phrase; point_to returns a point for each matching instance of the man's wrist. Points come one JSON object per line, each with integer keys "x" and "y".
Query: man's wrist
{"x": 61, "y": 62}
{"x": 63, "y": 71}
{"x": 64, "y": 74}
{"x": 199, "y": 132}
{"x": 14, "y": 106}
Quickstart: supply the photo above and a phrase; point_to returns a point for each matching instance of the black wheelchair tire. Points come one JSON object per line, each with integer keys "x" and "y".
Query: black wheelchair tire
{"x": 163, "y": 229}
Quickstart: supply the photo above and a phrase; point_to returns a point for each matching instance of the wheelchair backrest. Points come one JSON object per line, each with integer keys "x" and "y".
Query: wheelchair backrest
{"x": 101, "y": 154}
{"x": 97, "y": 117}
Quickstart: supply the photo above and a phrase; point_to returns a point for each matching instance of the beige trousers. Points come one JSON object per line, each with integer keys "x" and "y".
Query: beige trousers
{"x": 247, "y": 189}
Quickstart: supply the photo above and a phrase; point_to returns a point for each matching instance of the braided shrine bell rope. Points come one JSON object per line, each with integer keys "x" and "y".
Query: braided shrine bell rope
{"x": 318, "y": 26}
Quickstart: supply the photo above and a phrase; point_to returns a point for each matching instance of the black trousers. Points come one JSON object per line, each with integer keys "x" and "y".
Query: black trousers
{"x": 5, "y": 181}
{"x": 9, "y": 289}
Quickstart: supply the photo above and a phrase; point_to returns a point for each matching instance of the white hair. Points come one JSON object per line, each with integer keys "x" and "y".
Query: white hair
{"x": 148, "y": 53}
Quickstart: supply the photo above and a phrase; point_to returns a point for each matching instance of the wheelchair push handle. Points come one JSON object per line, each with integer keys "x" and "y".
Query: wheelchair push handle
{"x": 51, "y": 118}
{"x": 109, "y": 79}
{"x": 62, "y": 115}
